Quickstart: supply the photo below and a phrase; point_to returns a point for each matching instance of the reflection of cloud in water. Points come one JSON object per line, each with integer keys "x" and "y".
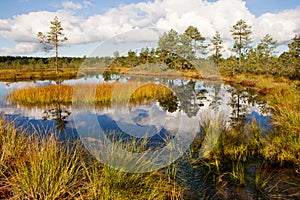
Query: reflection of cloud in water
{"x": 146, "y": 121}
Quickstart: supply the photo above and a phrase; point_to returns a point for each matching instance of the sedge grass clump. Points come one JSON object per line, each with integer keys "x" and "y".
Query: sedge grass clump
{"x": 43, "y": 95}
{"x": 12, "y": 145}
{"x": 48, "y": 170}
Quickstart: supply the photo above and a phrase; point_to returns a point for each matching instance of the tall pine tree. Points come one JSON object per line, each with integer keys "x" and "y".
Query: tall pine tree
{"x": 216, "y": 48}
{"x": 54, "y": 38}
{"x": 240, "y": 33}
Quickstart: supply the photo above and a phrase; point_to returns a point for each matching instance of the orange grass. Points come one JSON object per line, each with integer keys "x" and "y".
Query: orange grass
{"x": 98, "y": 94}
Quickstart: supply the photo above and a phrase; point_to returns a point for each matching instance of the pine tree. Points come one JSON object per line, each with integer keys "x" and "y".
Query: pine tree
{"x": 294, "y": 51}
{"x": 240, "y": 33}
{"x": 54, "y": 38}
{"x": 197, "y": 40}
{"x": 216, "y": 47}
{"x": 266, "y": 50}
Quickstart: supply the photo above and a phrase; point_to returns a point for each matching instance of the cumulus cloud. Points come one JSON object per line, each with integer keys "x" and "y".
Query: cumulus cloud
{"x": 21, "y": 48}
{"x": 282, "y": 26}
{"x": 208, "y": 17}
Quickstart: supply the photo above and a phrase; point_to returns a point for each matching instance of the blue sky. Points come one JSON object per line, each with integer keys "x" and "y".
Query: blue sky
{"x": 87, "y": 22}
{"x": 16, "y": 7}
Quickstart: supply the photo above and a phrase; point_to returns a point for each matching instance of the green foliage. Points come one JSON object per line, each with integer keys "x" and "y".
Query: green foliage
{"x": 265, "y": 51}
{"x": 197, "y": 40}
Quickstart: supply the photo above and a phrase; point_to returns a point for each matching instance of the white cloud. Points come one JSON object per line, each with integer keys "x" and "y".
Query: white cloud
{"x": 208, "y": 17}
{"x": 21, "y": 48}
{"x": 283, "y": 26}
{"x": 71, "y": 5}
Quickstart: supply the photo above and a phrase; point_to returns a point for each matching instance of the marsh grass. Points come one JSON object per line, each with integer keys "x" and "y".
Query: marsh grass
{"x": 284, "y": 142}
{"x": 108, "y": 183}
{"x": 48, "y": 170}
{"x": 35, "y": 166}
{"x": 112, "y": 181}
{"x": 89, "y": 94}
{"x": 12, "y": 145}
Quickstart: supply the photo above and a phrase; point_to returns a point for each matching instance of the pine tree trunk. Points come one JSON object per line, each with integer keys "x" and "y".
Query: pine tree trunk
{"x": 56, "y": 49}
{"x": 240, "y": 52}
{"x": 56, "y": 52}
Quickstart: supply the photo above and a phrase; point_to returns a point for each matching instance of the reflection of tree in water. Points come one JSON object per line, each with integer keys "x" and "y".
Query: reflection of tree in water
{"x": 184, "y": 97}
{"x": 59, "y": 114}
{"x": 241, "y": 99}
{"x": 216, "y": 97}
{"x": 190, "y": 99}
{"x": 185, "y": 92}
{"x": 109, "y": 76}
{"x": 168, "y": 103}
{"x": 239, "y": 110}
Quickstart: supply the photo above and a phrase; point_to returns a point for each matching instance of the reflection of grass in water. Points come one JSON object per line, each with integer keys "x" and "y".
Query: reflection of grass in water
{"x": 41, "y": 167}
{"x": 88, "y": 94}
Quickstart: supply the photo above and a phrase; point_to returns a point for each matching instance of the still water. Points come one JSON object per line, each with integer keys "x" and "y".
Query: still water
{"x": 194, "y": 101}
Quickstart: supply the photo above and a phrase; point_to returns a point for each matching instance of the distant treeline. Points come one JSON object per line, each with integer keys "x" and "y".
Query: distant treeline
{"x": 18, "y": 62}
{"x": 182, "y": 51}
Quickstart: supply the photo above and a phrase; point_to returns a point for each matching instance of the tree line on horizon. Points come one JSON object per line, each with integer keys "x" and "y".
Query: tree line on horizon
{"x": 178, "y": 50}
